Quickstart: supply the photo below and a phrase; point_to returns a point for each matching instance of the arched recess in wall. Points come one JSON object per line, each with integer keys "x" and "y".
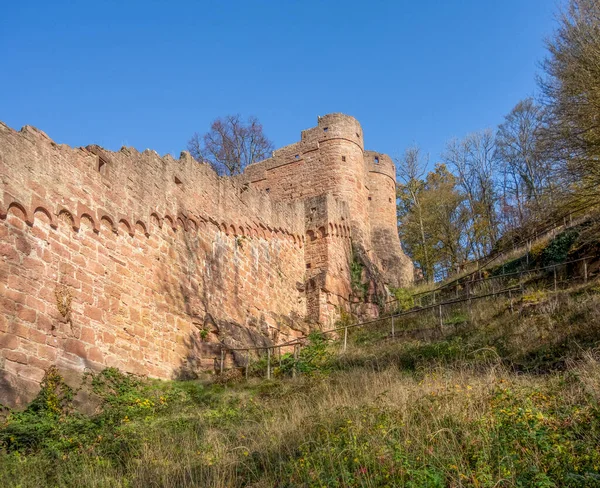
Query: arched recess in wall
{"x": 155, "y": 221}
{"x": 124, "y": 227}
{"x": 140, "y": 227}
{"x": 311, "y": 235}
{"x": 192, "y": 225}
{"x": 66, "y": 218}
{"x": 322, "y": 232}
{"x": 170, "y": 225}
{"x": 263, "y": 231}
{"x": 107, "y": 222}
{"x": 19, "y": 211}
{"x": 47, "y": 216}
{"x": 87, "y": 224}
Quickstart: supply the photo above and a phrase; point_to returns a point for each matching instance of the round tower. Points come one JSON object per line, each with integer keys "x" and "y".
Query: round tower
{"x": 397, "y": 267}
{"x": 342, "y": 169}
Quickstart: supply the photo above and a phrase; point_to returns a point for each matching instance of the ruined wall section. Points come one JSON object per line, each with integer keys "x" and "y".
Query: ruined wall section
{"x": 328, "y": 254}
{"x": 123, "y": 259}
{"x": 396, "y": 267}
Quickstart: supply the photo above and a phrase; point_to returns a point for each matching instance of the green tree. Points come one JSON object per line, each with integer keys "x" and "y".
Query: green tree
{"x": 432, "y": 216}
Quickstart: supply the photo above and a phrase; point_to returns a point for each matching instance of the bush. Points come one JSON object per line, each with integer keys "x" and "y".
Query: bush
{"x": 404, "y": 298}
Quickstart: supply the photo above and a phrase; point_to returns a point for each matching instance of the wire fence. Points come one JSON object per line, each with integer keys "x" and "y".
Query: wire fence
{"x": 424, "y": 320}
{"x": 564, "y": 222}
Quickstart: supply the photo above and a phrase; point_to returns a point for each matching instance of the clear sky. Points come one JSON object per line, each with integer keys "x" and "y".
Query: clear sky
{"x": 148, "y": 73}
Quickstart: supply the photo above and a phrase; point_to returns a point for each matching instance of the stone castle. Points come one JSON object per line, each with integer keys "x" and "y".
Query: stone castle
{"x": 144, "y": 263}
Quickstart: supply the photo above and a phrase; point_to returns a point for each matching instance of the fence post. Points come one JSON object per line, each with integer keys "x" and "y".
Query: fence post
{"x": 585, "y": 276}
{"x": 295, "y": 360}
{"x": 511, "y": 300}
{"x": 441, "y": 319}
{"x": 555, "y": 283}
{"x": 247, "y": 362}
{"x": 469, "y": 303}
{"x": 346, "y": 337}
{"x": 279, "y": 356}
{"x": 222, "y": 359}
{"x": 268, "y": 363}
{"x": 393, "y": 328}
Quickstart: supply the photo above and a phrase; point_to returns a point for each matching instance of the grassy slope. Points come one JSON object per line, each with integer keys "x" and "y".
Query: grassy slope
{"x": 502, "y": 400}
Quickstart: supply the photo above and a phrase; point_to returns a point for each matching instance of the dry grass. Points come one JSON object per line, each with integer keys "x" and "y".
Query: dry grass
{"x": 466, "y": 409}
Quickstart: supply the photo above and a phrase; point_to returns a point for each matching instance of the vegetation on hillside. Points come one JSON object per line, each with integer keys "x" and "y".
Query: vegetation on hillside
{"x": 468, "y": 408}
{"x": 492, "y": 187}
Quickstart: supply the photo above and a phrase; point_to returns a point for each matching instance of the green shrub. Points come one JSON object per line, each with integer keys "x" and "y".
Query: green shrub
{"x": 404, "y": 298}
{"x": 558, "y": 249}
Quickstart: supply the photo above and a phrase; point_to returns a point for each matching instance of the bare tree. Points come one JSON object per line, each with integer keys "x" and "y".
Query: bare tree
{"x": 474, "y": 161}
{"x": 231, "y": 144}
{"x": 527, "y": 165}
{"x": 572, "y": 90}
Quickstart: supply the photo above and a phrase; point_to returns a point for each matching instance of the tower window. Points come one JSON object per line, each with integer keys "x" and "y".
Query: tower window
{"x": 369, "y": 198}
{"x": 102, "y": 165}
{"x": 343, "y": 158}
{"x": 325, "y": 129}
{"x": 376, "y": 159}
{"x": 177, "y": 181}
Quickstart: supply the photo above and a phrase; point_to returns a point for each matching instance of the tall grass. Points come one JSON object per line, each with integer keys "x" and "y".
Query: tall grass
{"x": 460, "y": 410}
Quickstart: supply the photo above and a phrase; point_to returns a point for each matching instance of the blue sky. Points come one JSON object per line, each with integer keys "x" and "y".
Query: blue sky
{"x": 151, "y": 73}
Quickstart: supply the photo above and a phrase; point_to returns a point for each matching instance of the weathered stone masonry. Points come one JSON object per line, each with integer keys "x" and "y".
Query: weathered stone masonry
{"x": 145, "y": 263}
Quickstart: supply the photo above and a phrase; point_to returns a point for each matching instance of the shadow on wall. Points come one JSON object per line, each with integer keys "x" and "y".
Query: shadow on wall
{"x": 192, "y": 286}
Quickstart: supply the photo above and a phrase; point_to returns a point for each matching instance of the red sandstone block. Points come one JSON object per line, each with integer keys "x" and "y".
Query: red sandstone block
{"x": 19, "y": 329}
{"x": 47, "y": 352}
{"x": 24, "y": 371}
{"x": 95, "y": 354}
{"x": 27, "y": 315}
{"x": 85, "y": 298}
{"x": 16, "y": 356}
{"x": 134, "y": 314}
{"x": 75, "y": 347}
{"x": 88, "y": 335}
{"x": 93, "y": 313}
{"x": 34, "y": 264}
{"x": 83, "y": 277}
{"x": 108, "y": 338}
{"x": 37, "y": 336}
{"x": 44, "y": 323}
{"x": 79, "y": 260}
{"x": 9, "y": 341}
{"x": 38, "y": 362}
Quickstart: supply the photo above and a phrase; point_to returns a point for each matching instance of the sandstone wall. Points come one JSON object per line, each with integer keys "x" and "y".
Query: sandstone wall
{"x": 145, "y": 263}
{"x": 121, "y": 259}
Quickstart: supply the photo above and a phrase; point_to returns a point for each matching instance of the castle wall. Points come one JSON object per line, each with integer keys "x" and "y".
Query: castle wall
{"x": 122, "y": 259}
{"x": 145, "y": 263}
